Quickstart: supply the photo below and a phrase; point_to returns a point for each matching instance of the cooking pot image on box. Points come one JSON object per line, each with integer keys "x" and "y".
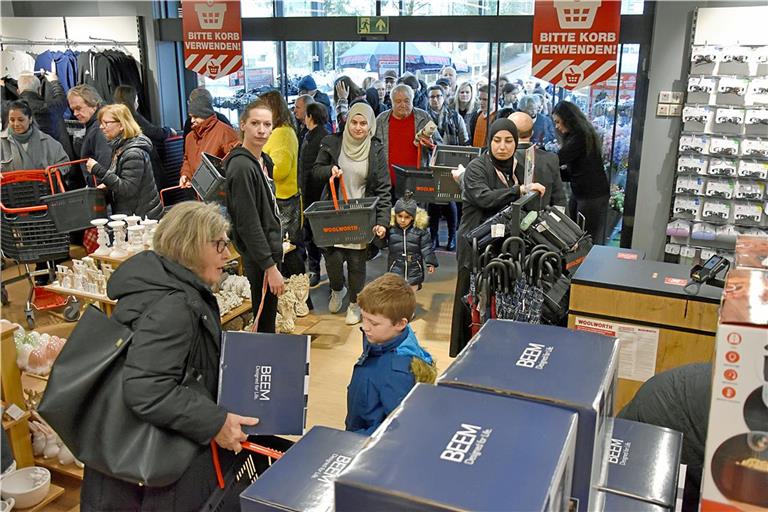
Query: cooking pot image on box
{"x": 740, "y": 468}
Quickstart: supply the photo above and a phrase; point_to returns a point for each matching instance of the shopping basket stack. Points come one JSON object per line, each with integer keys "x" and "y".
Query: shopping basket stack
{"x": 27, "y": 232}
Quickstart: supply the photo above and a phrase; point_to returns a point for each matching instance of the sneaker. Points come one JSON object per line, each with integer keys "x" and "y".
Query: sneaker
{"x": 334, "y": 303}
{"x": 353, "y": 314}
{"x": 314, "y": 279}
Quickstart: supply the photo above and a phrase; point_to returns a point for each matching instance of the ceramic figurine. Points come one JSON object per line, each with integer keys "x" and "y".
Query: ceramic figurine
{"x": 135, "y": 238}
{"x": 102, "y": 238}
{"x": 149, "y": 231}
{"x": 118, "y": 244}
{"x": 132, "y": 220}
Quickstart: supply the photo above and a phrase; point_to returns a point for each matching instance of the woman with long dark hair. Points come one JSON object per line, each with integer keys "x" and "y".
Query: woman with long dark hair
{"x": 580, "y": 153}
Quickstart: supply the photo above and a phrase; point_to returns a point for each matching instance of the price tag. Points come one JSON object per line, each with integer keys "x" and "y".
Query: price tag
{"x": 497, "y": 230}
{"x": 14, "y": 411}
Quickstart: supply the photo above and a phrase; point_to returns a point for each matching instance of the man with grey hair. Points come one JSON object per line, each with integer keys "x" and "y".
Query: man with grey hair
{"x": 48, "y": 111}
{"x": 543, "y": 127}
{"x": 401, "y": 132}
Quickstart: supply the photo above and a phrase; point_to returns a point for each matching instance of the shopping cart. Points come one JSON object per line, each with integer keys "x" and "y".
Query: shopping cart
{"x": 28, "y": 235}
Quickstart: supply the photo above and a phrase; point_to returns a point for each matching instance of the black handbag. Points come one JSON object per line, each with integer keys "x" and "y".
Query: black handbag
{"x": 83, "y": 402}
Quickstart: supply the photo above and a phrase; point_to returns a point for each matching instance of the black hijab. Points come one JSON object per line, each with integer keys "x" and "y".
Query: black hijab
{"x": 506, "y": 166}
{"x": 372, "y": 97}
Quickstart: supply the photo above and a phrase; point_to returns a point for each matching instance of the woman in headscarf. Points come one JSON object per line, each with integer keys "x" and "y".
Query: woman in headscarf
{"x": 24, "y": 146}
{"x": 489, "y": 185}
{"x": 361, "y": 161}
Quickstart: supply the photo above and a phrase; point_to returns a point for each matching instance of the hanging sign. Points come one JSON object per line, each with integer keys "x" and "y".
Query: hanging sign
{"x": 575, "y": 42}
{"x": 212, "y": 37}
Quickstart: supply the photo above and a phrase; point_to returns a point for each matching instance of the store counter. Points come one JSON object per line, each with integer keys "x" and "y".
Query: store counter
{"x": 643, "y": 303}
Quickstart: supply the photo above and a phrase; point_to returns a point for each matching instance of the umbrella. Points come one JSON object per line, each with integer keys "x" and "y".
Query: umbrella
{"x": 374, "y": 55}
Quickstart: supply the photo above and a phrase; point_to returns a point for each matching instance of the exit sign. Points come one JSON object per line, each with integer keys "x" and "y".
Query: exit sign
{"x": 371, "y": 25}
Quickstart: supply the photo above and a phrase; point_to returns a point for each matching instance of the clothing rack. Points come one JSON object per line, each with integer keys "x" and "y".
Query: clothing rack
{"x": 17, "y": 41}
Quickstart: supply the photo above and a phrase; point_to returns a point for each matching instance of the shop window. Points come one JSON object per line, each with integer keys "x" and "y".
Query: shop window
{"x": 256, "y": 8}
{"x": 452, "y": 8}
{"x": 259, "y": 74}
{"x": 328, "y": 7}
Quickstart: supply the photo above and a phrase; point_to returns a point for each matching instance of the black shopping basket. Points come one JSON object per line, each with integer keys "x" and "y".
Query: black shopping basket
{"x": 73, "y": 210}
{"x": 352, "y": 223}
{"x": 444, "y": 160}
{"x": 419, "y": 181}
{"x": 208, "y": 180}
{"x": 258, "y": 454}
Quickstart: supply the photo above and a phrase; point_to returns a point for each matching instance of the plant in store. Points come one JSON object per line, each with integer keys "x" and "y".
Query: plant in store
{"x": 616, "y": 201}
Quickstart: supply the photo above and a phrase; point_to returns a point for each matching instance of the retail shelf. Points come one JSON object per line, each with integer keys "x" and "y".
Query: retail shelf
{"x": 80, "y": 294}
{"x": 243, "y": 308}
{"x": 53, "y": 465}
{"x": 53, "y": 494}
{"x": 8, "y": 424}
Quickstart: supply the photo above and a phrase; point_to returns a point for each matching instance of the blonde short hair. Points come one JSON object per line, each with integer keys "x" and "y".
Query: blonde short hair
{"x": 90, "y": 96}
{"x": 122, "y": 114}
{"x": 185, "y": 229}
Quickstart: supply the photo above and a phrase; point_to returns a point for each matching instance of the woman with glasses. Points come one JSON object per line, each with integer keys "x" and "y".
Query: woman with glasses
{"x": 164, "y": 296}
{"x": 129, "y": 178}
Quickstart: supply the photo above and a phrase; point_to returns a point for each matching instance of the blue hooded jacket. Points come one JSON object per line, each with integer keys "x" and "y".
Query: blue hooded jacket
{"x": 381, "y": 379}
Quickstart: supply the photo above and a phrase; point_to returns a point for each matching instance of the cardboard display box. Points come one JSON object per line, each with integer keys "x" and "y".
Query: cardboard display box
{"x": 571, "y": 369}
{"x": 616, "y": 503}
{"x": 265, "y": 376}
{"x": 446, "y": 448}
{"x": 643, "y": 462}
{"x": 302, "y": 480}
{"x": 752, "y": 252}
{"x": 736, "y": 459}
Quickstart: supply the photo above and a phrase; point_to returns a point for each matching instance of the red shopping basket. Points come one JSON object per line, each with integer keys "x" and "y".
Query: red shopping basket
{"x": 352, "y": 223}
{"x": 75, "y": 209}
{"x": 257, "y": 456}
{"x": 28, "y": 233}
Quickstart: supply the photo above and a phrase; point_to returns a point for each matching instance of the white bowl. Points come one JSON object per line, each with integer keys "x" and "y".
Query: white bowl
{"x": 27, "y": 486}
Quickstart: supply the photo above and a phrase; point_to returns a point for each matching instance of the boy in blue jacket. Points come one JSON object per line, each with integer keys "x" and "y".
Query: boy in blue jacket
{"x": 392, "y": 360}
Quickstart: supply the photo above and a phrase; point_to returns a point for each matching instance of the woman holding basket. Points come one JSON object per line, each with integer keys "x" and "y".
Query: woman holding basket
{"x": 359, "y": 159}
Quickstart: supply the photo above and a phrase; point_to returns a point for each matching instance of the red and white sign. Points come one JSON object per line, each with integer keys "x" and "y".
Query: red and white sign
{"x": 213, "y": 37}
{"x": 575, "y": 42}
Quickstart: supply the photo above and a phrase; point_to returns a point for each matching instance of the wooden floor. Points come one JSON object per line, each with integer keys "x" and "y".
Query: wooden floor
{"x": 335, "y": 346}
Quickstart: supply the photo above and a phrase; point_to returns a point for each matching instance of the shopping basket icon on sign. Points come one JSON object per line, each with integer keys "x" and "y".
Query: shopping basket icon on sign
{"x": 578, "y": 14}
{"x": 210, "y": 14}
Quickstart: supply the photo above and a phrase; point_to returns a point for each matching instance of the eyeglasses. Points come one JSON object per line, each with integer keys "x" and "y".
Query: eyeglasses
{"x": 105, "y": 123}
{"x": 221, "y": 245}
{"x": 435, "y": 96}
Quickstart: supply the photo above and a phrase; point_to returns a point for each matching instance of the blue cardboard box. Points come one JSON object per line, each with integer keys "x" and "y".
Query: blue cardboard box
{"x": 571, "y": 369}
{"x": 446, "y": 448}
{"x": 302, "y": 480}
{"x": 616, "y": 503}
{"x": 643, "y": 462}
{"x": 265, "y": 376}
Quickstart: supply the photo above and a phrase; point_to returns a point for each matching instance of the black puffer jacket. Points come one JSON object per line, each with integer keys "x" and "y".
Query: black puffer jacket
{"x": 251, "y": 205}
{"x": 410, "y": 249}
{"x": 182, "y": 314}
{"x": 377, "y": 182}
{"x": 130, "y": 178}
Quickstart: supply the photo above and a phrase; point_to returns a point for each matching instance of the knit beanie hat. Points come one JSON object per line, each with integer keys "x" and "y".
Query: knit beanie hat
{"x": 307, "y": 84}
{"x": 200, "y": 103}
{"x": 406, "y": 204}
